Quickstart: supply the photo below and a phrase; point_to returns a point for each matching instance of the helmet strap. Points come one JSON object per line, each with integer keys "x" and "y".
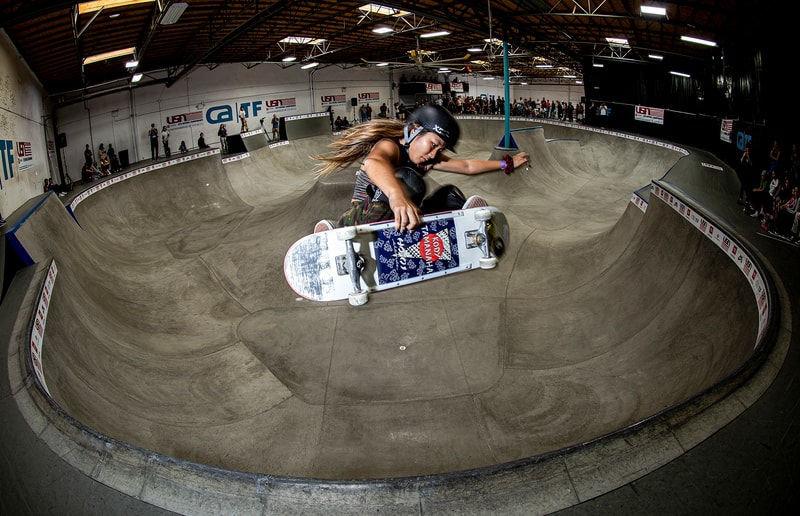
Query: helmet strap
{"x": 409, "y": 137}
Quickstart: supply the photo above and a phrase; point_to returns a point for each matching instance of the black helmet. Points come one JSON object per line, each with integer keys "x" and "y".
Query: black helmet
{"x": 437, "y": 120}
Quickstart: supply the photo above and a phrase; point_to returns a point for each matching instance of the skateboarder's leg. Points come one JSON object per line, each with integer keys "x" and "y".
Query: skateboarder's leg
{"x": 446, "y": 198}
{"x": 365, "y": 213}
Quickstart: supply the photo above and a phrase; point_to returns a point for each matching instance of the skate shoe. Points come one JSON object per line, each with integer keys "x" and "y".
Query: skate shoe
{"x": 476, "y": 201}
{"x": 323, "y": 225}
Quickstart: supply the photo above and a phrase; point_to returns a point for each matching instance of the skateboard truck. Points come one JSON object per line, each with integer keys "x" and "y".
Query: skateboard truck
{"x": 353, "y": 264}
{"x": 480, "y": 238}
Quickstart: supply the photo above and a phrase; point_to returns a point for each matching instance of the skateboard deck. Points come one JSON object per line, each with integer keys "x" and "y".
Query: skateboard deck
{"x": 348, "y": 263}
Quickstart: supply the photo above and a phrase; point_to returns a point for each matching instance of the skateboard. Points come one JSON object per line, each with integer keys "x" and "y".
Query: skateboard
{"x": 350, "y": 262}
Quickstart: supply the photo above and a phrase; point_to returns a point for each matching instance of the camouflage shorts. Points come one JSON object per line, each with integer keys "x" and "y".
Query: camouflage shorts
{"x": 366, "y": 213}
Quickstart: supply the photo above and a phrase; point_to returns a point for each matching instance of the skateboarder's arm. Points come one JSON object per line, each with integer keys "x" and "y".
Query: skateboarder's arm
{"x": 477, "y": 166}
{"x": 380, "y": 165}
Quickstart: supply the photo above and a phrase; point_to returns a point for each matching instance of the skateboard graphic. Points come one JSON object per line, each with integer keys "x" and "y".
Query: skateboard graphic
{"x": 349, "y": 262}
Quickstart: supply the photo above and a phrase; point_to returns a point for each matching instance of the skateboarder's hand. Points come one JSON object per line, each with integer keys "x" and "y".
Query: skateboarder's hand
{"x": 407, "y": 215}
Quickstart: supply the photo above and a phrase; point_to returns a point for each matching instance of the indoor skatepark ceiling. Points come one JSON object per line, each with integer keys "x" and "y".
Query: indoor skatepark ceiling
{"x": 547, "y": 41}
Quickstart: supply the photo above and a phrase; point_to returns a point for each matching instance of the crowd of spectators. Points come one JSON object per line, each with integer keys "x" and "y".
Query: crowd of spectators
{"x": 771, "y": 190}
{"x": 522, "y": 107}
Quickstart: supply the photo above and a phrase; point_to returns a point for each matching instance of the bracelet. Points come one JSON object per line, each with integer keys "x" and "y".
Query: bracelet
{"x": 507, "y": 164}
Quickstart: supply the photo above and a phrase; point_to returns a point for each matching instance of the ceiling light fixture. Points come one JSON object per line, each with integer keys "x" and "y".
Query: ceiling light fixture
{"x": 680, "y": 74}
{"x": 656, "y": 57}
{"x": 475, "y": 49}
{"x": 132, "y": 64}
{"x": 618, "y": 41}
{"x": 301, "y": 40}
{"x": 173, "y": 13}
{"x": 651, "y": 9}
{"x": 699, "y": 41}
{"x": 109, "y": 55}
{"x": 289, "y": 59}
{"x": 435, "y": 34}
{"x": 382, "y": 29}
{"x": 382, "y": 10}
{"x": 309, "y": 65}
{"x": 598, "y": 65}
{"x": 136, "y": 77}
{"x": 382, "y": 64}
{"x": 90, "y": 7}
{"x": 544, "y": 66}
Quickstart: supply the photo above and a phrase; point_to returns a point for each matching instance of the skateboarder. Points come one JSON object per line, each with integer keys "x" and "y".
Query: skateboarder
{"x": 395, "y": 157}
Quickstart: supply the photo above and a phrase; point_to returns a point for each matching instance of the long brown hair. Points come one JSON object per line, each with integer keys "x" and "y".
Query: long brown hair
{"x": 357, "y": 142}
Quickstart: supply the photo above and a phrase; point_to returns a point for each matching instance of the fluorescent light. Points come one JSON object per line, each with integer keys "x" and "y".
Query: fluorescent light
{"x": 309, "y": 65}
{"x": 680, "y": 74}
{"x": 699, "y": 41}
{"x": 570, "y": 76}
{"x": 382, "y": 29}
{"x": 474, "y": 49}
{"x": 658, "y": 11}
{"x": 435, "y": 34}
{"x": 656, "y": 57}
{"x": 136, "y": 77}
{"x": 289, "y": 59}
{"x": 598, "y": 65}
{"x": 488, "y": 78}
{"x": 382, "y": 64}
{"x": 173, "y": 13}
{"x": 132, "y": 64}
{"x": 617, "y": 41}
{"x": 544, "y": 66}
{"x": 109, "y": 55}
{"x": 442, "y": 70}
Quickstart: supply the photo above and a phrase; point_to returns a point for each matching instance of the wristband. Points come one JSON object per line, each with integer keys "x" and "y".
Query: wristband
{"x": 507, "y": 164}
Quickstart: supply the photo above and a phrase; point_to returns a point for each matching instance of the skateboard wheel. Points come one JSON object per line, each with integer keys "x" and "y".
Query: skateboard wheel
{"x": 481, "y": 215}
{"x": 346, "y": 233}
{"x": 358, "y": 298}
{"x": 488, "y": 263}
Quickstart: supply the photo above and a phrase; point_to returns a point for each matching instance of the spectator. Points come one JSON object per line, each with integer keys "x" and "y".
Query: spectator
{"x": 745, "y": 172}
{"x": 165, "y": 141}
{"x": 183, "y": 148}
{"x": 112, "y": 157}
{"x": 201, "y": 142}
{"x": 89, "y": 173}
{"x": 223, "y": 138}
{"x": 61, "y": 190}
{"x": 774, "y": 156}
{"x": 88, "y": 157}
{"x": 275, "y": 127}
{"x": 105, "y": 164}
{"x": 760, "y": 196}
{"x": 242, "y": 119}
{"x": 153, "y": 133}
